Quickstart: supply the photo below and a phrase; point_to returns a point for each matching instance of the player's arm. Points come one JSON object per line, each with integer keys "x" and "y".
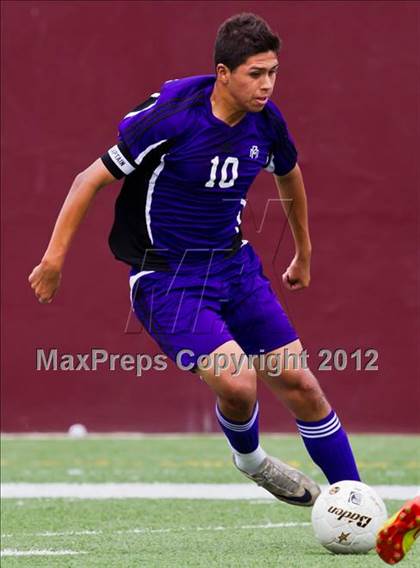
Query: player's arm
{"x": 45, "y": 277}
{"x": 292, "y": 192}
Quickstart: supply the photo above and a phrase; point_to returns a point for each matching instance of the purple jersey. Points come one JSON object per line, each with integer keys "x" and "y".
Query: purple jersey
{"x": 188, "y": 174}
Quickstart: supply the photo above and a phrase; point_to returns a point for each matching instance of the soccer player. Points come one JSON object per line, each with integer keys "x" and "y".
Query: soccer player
{"x": 399, "y": 532}
{"x": 189, "y": 155}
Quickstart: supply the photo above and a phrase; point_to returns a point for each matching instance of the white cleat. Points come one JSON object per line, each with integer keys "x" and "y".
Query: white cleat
{"x": 284, "y": 482}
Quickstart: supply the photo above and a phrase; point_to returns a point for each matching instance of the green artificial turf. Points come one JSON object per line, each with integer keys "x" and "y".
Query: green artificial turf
{"x": 176, "y": 533}
{"x": 189, "y": 459}
{"x": 170, "y": 533}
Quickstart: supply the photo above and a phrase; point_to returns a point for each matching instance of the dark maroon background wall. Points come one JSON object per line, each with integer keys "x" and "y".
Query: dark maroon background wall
{"x": 349, "y": 88}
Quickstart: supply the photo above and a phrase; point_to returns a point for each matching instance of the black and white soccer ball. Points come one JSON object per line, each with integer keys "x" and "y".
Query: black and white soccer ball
{"x": 347, "y": 516}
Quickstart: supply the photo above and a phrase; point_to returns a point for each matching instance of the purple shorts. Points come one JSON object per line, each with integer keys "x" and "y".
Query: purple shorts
{"x": 200, "y": 309}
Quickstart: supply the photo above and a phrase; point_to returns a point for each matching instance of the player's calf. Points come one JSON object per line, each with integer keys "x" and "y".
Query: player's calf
{"x": 300, "y": 391}
{"x": 322, "y": 433}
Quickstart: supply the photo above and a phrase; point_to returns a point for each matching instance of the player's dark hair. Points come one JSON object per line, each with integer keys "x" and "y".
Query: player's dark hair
{"x": 241, "y": 36}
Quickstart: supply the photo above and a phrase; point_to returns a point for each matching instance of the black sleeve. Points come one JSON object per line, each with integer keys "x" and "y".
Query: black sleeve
{"x": 118, "y": 161}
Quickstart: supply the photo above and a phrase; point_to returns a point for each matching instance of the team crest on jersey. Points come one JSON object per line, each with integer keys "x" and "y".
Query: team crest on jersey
{"x": 254, "y": 152}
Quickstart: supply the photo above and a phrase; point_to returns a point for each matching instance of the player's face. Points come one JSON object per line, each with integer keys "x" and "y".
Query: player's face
{"x": 252, "y": 83}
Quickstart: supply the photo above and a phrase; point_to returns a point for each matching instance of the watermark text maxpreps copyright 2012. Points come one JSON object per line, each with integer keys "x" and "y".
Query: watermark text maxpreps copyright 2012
{"x": 100, "y": 359}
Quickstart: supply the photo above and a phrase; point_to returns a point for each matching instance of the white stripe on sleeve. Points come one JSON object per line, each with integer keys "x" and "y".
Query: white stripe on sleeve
{"x": 135, "y": 112}
{"x": 143, "y": 154}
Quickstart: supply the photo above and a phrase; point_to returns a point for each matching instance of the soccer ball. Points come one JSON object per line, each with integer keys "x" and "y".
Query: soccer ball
{"x": 347, "y": 516}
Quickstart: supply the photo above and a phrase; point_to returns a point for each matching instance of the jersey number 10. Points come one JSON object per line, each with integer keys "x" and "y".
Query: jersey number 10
{"x": 224, "y": 182}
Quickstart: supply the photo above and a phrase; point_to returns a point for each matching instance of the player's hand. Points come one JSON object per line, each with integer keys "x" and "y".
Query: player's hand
{"x": 298, "y": 274}
{"x": 45, "y": 280}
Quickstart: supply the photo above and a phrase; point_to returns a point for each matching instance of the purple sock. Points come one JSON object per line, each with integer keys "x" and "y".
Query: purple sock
{"x": 242, "y": 436}
{"x": 329, "y": 447}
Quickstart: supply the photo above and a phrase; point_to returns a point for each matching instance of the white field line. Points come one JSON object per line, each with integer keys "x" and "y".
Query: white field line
{"x": 145, "y": 530}
{"x": 207, "y": 491}
{"x": 14, "y": 552}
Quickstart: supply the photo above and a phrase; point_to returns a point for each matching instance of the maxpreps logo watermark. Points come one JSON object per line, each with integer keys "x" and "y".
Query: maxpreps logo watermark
{"x": 273, "y": 363}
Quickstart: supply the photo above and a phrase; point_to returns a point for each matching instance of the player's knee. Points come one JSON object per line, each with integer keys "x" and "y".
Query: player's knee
{"x": 303, "y": 381}
{"x": 240, "y": 392}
